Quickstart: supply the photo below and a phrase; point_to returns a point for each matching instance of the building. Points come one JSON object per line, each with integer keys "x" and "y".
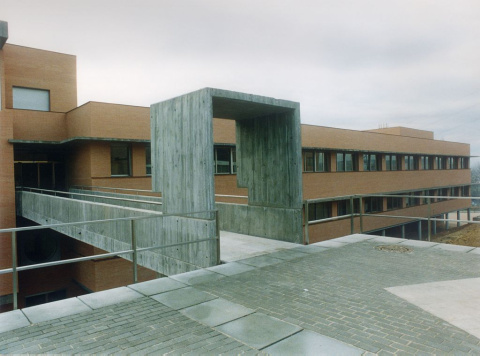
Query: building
{"x": 48, "y": 142}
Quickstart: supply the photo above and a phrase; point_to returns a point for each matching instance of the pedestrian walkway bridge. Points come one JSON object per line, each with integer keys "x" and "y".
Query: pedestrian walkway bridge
{"x": 354, "y": 295}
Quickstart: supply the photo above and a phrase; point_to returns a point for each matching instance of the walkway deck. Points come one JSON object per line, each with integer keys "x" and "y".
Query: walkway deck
{"x": 354, "y": 295}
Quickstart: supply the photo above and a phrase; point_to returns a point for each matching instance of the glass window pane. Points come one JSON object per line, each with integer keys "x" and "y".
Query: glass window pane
{"x": 222, "y": 160}
{"x": 340, "y": 162}
{"x": 348, "y": 162}
{"x": 120, "y": 160}
{"x": 394, "y": 163}
{"x": 31, "y": 99}
{"x": 321, "y": 166}
{"x": 308, "y": 163}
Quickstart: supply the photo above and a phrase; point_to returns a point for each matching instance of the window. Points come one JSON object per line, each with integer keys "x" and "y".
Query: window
{"x": 443, "y": 193}
{"x": 225, "y": 160}
{"x": 121, "y": 156}
{"x": 148, "y": 160}
{"x": 440, "y": 162}
{"x": 394, "y": 203}
{"x": 452, "y": 163}
{"x": 425, "y": 162}
{"x": 373, "y": 204}
{"x": 464, "y": 191}
{"x": 343, "y": 207}
{"x": 410, "y": 163}
{"x": 371, "y": 163}
{"x": 346, "y": 162}
{"x": 321, "y": 161}
{"x": 464, "y": 162}
{"x": 315, "y": 161}
{"x": 412, "y": 201}
{"x": 308, "y": 161}
{"x": 31, "y": 99}
{"x": 392, "y": 163}
{"x": 317, "y": 211}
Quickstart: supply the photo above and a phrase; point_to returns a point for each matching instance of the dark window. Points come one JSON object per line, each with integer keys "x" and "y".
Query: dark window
{"x": 425, "y": 162}
{"x": 321, "y": 161}
{"x": 343, "y": 207}
{"x": 452, "y": 163}
{"x": 411, "y": 200}
{"x": 346, "y": 162}
{"x": 225, "y": 160}
{"x": 317, "y": 211}
{"x": 440, "y": 162}
{"x": 308, "y": 161}
{"x": 394, "y": 203}
{"x": 410, "y": 163}
{"x": 392, "y": 163}
{"x": 121, "y": 156}
{"x": 373, "y": 204}
{"x": 371, "y": 163}
{"x": 464, "y": 162}
{"x": 148, "y": 160}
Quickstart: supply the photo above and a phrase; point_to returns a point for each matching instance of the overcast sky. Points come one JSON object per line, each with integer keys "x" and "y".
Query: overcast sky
{"x": 354, "y": 64}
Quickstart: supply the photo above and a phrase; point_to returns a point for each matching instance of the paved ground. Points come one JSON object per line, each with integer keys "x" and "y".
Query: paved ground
{"x": 353, "y": 295}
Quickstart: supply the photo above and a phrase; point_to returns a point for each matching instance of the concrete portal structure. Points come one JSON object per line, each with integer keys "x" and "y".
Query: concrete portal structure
{"x": 268, "y": 159}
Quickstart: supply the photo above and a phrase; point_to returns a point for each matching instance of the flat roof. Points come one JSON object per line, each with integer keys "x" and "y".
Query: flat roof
{"x": 353, "y": 295}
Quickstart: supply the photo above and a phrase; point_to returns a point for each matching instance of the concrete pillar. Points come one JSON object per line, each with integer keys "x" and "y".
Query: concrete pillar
{"x": 458, "y": 218}
{"x": 383, "y": 233}
{"x": 434, "y": 228}
{"x": 447, "y": 223}
{"x": 420, "y": 230}
{"x": 403, "y": 231}
{"x": 469, "y": 214}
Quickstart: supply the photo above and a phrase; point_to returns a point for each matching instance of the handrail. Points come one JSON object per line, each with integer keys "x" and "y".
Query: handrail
{"x": 133, "y": 251}
{"x": 91, "y": 195}
{"x": 361, "y": 214}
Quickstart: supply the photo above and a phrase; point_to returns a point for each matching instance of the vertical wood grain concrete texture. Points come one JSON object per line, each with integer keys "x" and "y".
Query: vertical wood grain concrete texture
{"x": 116, "y": 236}
{"x": 268, "y": 159}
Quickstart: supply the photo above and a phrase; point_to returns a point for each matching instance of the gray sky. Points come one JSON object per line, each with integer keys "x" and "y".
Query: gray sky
{"x": 354, "y": 64}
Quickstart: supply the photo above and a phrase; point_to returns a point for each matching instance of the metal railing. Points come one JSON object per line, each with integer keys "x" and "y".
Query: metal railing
{"x": 137, "y": 191}
{"x": 134, "y": 250}
{"x": 430, "y": 199}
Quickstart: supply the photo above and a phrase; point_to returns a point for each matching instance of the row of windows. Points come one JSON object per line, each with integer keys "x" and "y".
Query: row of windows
{"x": 121, "y": 160}
{"x": 319, "y": 161}
{"x": 324, "y": 210}
{"x": 225, "y": 161}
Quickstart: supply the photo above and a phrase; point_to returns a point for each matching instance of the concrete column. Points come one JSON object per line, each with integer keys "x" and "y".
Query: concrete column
{"x": 420, "y": 230}
{"x": 469, "y": 214}
{"x": 434, "y": 229}
{"x": 403, "y": 231}
{"x": 447, "y": 223}
{"x": 383, "y": 233}
{"x": 458, "y": 218}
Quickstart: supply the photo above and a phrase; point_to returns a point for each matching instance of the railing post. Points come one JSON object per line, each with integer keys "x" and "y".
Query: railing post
{"x": 305, "y": 218}
{"x": 429, "y": 216}
{"x": 217, "y": 233}
{"x": 134, "y": 248}
{"x": 14, "y": 270}
{"x": 352, "y": 221}
{"x": 361, "y": 214}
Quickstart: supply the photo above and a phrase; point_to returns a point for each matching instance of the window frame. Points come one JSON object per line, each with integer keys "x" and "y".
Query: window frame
{"x": 344, "y": 165}
{"x": 128, "y": 159}
{"x": 368, "y": 163}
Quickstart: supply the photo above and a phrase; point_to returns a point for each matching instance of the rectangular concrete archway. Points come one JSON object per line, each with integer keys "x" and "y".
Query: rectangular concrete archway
{"x": 268, "y": 159}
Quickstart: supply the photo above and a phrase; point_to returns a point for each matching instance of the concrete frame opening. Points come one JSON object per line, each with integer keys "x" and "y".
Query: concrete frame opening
{"x": 268, "y": 140}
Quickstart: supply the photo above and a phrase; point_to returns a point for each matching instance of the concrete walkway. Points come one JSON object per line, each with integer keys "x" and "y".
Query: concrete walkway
{"x": 354, "y": 295}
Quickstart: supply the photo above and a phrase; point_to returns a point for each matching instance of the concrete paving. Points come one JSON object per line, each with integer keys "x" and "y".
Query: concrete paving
{"x": 345, "y": 297}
